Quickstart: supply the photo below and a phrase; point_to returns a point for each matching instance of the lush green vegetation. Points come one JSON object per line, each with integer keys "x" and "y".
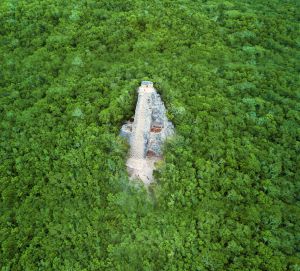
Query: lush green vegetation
{"x": 226, "y": 196}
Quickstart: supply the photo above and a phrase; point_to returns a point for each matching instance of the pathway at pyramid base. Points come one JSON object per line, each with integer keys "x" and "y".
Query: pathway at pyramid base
{"x": 142, "y": 168}
{"x": 146, "y": 134}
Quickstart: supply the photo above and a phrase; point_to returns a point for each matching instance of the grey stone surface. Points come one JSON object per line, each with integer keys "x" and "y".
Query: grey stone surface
{"x": 147, "y": 83}
{"x": 126, "y": 131}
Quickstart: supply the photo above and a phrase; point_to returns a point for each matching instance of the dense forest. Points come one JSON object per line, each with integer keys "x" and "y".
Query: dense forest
{"x": 226, "y": 195}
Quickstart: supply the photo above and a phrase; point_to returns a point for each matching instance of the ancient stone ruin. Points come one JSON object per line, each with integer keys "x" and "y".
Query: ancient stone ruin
{"x": 146, "y": 133}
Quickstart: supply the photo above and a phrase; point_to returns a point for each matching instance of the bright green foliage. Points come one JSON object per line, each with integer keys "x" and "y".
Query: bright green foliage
{"x": 226, "y": 195}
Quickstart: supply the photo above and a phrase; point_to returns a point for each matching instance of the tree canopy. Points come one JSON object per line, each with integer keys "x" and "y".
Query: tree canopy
{"x": 226, "y": 195}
